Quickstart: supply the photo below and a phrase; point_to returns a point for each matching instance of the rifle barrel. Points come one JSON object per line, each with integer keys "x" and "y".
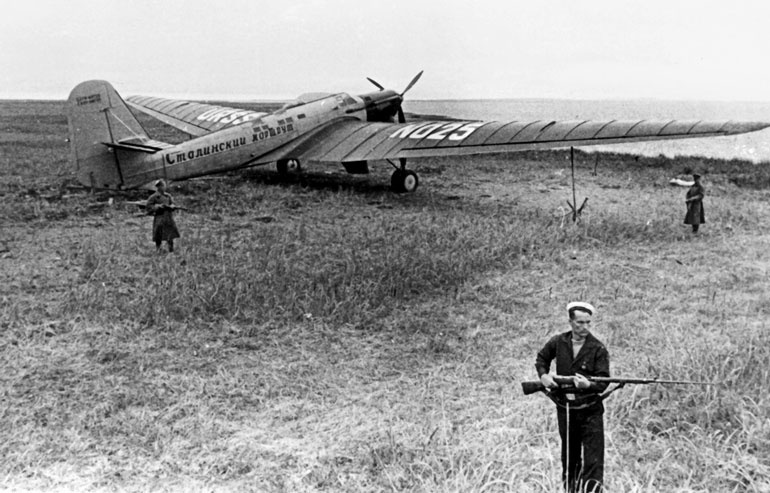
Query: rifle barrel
{"x": 683, "y": 382}
{"x": 646, "y": 381}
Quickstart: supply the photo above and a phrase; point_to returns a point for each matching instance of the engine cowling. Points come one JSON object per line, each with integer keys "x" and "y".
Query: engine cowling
{"x": 382, "y": 106}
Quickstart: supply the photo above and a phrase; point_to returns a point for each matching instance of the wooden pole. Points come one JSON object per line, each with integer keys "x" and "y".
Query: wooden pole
{"x": 574, "y": 197}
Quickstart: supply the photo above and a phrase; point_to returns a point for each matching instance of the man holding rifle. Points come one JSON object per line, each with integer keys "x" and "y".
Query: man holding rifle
{"x": 161, "y": 206}
{"x": 580, "y": 412}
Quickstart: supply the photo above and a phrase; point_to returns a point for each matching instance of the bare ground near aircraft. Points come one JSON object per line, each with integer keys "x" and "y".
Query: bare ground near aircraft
{"x": 317, "y": 334}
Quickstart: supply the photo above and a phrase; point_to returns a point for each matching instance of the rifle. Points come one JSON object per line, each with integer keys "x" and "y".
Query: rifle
{"x": 143, "y": 204}
{"x": 567, "y": 383}
{"x": 171, "y": 207}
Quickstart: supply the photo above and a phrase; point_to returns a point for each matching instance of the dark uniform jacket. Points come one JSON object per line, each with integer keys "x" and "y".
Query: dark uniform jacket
{"x": 593, "y": 360}
{"x": 695, "y": 213}
{"x": 163, "y": 225}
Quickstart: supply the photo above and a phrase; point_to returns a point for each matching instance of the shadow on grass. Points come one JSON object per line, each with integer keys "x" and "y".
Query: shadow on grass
{"x": 319, "y": 180}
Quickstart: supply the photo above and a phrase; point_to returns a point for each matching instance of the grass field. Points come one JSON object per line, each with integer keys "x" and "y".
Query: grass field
{"x": 319, "y": 333}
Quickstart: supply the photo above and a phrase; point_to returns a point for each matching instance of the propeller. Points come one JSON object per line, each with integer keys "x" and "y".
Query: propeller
{"x": 414, "y": 81}
{"x": 375, "y": 83}
{"x": 401, "y": 117}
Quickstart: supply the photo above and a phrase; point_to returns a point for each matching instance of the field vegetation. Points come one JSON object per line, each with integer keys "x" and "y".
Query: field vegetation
{"x": 320, "y": 333}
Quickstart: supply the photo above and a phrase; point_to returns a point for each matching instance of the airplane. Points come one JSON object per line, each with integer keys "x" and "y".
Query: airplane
{"x": 109, "y": 149}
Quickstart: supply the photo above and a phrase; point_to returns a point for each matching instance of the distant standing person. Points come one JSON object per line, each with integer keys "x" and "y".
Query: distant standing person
{"x": 694, "y": 200}
{"x": 161, "y": 206}
{"x": 580, "y": 414}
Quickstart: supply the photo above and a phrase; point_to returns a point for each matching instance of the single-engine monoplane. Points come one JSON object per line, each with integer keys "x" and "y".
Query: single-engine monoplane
{"x": 111, "y": 150}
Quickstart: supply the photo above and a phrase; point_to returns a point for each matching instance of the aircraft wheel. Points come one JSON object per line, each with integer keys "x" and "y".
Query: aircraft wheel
{"x": 402, "y": 181}
{"x": 285, "y": 166}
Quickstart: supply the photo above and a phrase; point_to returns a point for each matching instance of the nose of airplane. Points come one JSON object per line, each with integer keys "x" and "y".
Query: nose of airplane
{"x": 388, "y": 101}
{"x": 382, "y": 106}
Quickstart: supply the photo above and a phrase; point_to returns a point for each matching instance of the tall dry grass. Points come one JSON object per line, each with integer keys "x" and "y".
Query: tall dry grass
{"x": 344, "y": 270}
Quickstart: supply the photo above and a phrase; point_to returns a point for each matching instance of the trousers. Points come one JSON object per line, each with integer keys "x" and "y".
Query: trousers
{"x": 582, "y": 449}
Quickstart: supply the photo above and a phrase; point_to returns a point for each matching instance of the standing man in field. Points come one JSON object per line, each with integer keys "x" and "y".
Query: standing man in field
{"x": 579, "y": 409}
{"x": 694, "y": 200}
{"x": 161, "y": 206}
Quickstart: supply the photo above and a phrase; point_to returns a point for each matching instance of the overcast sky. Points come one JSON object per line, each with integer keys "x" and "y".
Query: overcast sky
{"x": 250, "y": 49}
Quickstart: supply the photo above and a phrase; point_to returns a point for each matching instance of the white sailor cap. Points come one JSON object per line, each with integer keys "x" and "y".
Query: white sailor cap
{"x": 581, "y": 305}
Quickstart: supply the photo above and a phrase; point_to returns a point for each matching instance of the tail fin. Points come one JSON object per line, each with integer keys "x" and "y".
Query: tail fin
{"x": 98, "y": 117}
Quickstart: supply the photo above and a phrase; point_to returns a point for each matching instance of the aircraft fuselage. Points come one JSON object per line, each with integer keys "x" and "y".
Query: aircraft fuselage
{"x": 247, "y": 144}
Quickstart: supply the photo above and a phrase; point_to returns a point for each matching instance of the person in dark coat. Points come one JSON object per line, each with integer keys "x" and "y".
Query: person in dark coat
{"x": 161, "y": 206}
{"x": 694, "y": 200}
{"x": 580, "y": 414}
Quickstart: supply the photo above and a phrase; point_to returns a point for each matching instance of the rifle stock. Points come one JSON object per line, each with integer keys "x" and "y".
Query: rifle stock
{"x": 531, "y": 387}
{"x": 565, "y": 384}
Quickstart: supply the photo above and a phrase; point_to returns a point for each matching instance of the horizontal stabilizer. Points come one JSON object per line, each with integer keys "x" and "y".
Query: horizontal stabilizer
{"x": 139, "y": 145}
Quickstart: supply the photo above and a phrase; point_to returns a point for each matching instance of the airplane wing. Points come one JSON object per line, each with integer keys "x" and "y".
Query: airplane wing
{"x": 192, "y": 118}
{"x": 349, "y": 140}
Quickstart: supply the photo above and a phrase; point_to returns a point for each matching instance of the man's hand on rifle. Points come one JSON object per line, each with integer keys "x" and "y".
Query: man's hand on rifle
{"x": 548, "y": 381}
{"x": 581, "y": 382}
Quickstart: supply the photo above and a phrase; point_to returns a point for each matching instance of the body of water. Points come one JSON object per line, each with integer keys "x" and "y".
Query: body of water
{"x": 753, "y": 147}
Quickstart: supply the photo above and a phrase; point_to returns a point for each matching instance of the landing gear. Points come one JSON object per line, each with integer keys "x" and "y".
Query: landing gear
{"x": 404, "y": 181}
{"x": 286, "y": 166}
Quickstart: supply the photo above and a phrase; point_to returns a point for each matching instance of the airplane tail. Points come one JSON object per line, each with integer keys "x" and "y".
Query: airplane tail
{"x": 99, "y": 121}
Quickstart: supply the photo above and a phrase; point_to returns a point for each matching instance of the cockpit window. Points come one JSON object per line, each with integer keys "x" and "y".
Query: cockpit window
{"x": 310, "y": 97}
{"x": 291, "y": 104}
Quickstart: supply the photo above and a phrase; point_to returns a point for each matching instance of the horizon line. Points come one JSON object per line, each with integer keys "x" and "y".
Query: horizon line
{"x": 240, "y": 98}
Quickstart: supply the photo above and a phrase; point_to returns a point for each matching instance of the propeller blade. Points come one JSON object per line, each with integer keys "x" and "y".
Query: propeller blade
{"x": 376, "y": 84}
{"x": 414, "y": 81}
{"x": 401, "y": 117}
